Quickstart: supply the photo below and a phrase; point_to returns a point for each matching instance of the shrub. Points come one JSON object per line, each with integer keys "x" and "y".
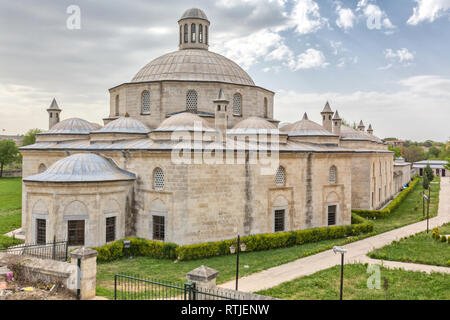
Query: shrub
{"x": 443, "y": 239}
{"x": 375, "y": 214}
{"x": 277, "y": 240}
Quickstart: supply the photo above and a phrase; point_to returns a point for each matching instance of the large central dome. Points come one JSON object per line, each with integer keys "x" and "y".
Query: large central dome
{"x": 193, "y": 65}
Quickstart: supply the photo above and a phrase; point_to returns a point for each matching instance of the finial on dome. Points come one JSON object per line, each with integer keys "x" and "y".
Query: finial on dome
{"x": 305, "y": 116}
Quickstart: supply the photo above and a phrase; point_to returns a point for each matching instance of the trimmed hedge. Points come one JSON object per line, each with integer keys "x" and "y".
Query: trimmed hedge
{"x": 391, "y": 206}
{"x": 138, "y": 247}
{"x": 277, "y": 240}
{"x": 161, "y": 250}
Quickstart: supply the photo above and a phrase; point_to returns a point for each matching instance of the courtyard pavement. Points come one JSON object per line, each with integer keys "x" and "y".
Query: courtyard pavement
{"x": 356, "y": 253}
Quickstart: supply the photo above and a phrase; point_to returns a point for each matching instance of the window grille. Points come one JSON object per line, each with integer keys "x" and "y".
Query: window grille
{"x": 331, "y": 215}
{"x": 110, "y": 229}
{"x": 158, "y": 179}
{"x": 42, "y": 168}
{"x": 279, "y": 220}
{"x": 193, "y": 33}
{"x": 145, "y": 102}
{"x": 332, "y": 177}
{"x": 75, "y": 234}
{"x": 186, "y": 33}
{"x": 191, "y": 101}
{"x": 237, "y": 104}
{"x": 280, "y": 177}
{"x": 158, "y": 228}
{"x": 206, "y": 34}
{"x": 200, "y": 33}
{"x": 41, "y": 226}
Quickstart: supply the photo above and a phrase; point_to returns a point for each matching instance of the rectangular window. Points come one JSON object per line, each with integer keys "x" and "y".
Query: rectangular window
{"x": 279, "y": 220}
{"x": 158, "y": 228}
{"x": 41, "y": 228}
{"x": 110, "y": 229}
{"x": 75, "y": 232}
{"x": 331, "y": 215}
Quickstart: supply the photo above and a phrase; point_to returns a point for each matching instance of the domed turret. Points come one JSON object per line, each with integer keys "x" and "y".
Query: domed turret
{"x": 194, "y": 28}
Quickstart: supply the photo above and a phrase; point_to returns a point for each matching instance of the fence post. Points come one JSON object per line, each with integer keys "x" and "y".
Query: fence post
{"x": 54, "y": 248}
{"x": 115, "y": 286}
{"x": 88, "y": 271}
{"x": 66, "y": 243}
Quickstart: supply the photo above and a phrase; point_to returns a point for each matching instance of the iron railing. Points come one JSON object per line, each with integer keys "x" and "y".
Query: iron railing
{"x": 129, "y": 287}
{"x": 56, "y": 250}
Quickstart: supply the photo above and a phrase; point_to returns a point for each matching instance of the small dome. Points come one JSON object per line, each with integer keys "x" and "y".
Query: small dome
{"x": 72, "y": 126}
{"x": 348, "y": 133}
{"x": 82, "y": 167}
{"x": 254, "y": 125}
{"x": 124, "y": 125}
{"x": 193, "y": 65}
{"x": 194, "y": 13}
{"x": 185, "y": 121}
{"x": 305, "y": 127}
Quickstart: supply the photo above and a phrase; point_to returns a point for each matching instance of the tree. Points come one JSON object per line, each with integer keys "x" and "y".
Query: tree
{"x": 425, "y": 182}
{"x": 428, "y": 172}
{"x": 8, "y": 153}
{"x": 433, "y": 152}
{"x": 30, "y": 137}
{"x": 397, "y": 151}
{"x": 414, "y": 154}
{"x": 447, "y": 165}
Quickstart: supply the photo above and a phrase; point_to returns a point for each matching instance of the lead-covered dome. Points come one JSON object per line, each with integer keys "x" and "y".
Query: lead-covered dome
{"x": 124, "y": 125}
{"x": 305, "y": 127}
{"x": 72, "y": 126}
{"x": 348, "y": 133}
{"x": 253, "y": 125}
{"x": 82, "y": 167}
{"x": 194, "y": 13}
{"x": 193, "y": 65}
{"x": 185, "y": 121}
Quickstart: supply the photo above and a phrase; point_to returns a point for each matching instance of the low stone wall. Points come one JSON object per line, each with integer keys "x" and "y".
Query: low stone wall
{"x": 41, "y": 270}
{"x": 12, "y": 173}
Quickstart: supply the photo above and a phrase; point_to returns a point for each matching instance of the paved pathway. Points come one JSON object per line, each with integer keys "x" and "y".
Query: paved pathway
{"x": 356, "y": 252}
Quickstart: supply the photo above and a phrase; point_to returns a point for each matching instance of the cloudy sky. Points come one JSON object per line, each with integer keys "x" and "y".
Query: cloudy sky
{"x": 385, "y": 62}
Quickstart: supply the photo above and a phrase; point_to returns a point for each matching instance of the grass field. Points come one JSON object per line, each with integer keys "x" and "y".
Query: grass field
{"x": 410, "y": 210}
{"x": 421, "y": 248}
{"x": 403, "y": 285}
{"x": 10, "y": 209}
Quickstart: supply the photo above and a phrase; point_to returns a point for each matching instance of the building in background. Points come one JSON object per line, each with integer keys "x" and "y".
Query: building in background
{"x": 438, "y": 167}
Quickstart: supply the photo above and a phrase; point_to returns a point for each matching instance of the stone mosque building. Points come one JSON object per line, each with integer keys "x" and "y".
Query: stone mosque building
{"x": 93, "y": 184}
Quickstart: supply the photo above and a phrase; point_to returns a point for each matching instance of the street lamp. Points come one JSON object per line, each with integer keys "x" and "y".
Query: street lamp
{"x": 342, "y": 251}
{"x": 239, "y": 247}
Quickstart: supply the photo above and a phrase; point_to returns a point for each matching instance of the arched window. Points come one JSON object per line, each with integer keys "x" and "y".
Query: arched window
{"x": 186, "y": 34}
{"x": 206, "y": 34}
{"x": 116, "y": 108}
{"x": 280, "y": 177}
{"x": 193, "y": 32}
{"x": 181, "y": 34}
{"x": 200, "y": 33}
{"x": 333, "y": 177}
{"x": 237, "y": 104}
{"x": 158, "y": 179}
{"x": 265, "y": 108}
{"x": 191, "y": 101}
{"x": 145, "y": 102}
{"x": 42, "y": 168}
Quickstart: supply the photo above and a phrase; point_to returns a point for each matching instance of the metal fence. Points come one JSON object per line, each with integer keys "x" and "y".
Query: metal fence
{"x": 129, "y": 287}
{"x": 56, "y": 250}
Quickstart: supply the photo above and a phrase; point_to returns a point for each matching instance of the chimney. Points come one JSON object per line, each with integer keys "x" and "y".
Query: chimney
{"x": 327, "y": 113}
{"x": 370, "y": 130}
{"x": 53, "y": 114}
{"x": 361, "y": 126}
{"x": 337, "y": 122}
{"x": 221, "y": 115}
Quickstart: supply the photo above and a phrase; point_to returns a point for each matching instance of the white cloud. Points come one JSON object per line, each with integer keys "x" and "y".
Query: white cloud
{"x": 397, "y": 112}
{"x": 346, "y": 18}
{"x": 428, "y": 10}
{"x": 305, "y": 17}
{"x": 310, "y": 59}
{"x": 402, "y": 55}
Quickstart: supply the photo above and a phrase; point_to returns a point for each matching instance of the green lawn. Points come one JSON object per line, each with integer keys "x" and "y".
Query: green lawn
{"x": 410, "y": 211}
{"x": 10, "y": 208}
{"x": 420, "y": 248}
{"x": 226, "y": 265}
{"x": 403, "y": 285}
